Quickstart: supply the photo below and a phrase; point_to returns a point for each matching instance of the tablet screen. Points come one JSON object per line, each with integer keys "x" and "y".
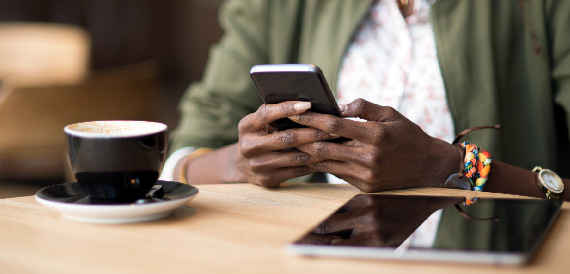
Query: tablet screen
{"x": 497, "y": 231}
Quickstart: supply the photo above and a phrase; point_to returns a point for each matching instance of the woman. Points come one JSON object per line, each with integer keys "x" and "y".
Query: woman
{"x": 478, "y": 62}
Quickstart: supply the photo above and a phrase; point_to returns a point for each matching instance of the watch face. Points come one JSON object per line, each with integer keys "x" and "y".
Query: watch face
{"x": 552, "y": 181}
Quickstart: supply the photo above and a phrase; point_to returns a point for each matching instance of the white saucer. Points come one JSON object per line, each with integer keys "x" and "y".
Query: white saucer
{"x": 73, "y": 203}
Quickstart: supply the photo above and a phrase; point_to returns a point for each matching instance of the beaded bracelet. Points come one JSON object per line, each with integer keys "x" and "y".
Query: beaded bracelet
{"x": 477, "y": 163}
{"x": 475, "y": 167}
{"x": 187, "y": 160}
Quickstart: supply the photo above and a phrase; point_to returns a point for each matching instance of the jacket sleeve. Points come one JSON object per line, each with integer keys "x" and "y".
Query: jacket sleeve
{"x": 212, "y": 108}
{"x": 559, "y": 27}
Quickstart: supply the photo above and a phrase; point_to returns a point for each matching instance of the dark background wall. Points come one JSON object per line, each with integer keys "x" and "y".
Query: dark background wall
{"x": 175, "y": 33}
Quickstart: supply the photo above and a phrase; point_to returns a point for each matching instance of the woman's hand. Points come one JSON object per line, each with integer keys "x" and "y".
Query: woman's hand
{"x": 267, "y": 157}
{"x": 388, "y": 151}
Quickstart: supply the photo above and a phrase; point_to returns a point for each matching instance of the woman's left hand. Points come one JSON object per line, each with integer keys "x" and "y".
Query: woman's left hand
{"x": 387, "y": 150}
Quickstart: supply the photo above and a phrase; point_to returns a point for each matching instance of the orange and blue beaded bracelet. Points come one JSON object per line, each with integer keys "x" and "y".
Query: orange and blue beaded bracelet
{"x": 477, "y": 163}
{"x": 475, "y": 167}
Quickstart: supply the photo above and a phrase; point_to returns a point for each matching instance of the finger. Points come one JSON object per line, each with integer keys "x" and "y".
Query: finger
{"x": 371, "y": 112}
{"x": 274, "y": 160}
{"x": 283, "y": 139}
{"x": 343, "y": 108}
{"x": 268, "y": 113}
{"x": 363, "y": 131}
{"x": 355, "y": 175}
{"x": 273, "y": 178}
{"x": 360, "y": 184}
{"x": 356, "y": 154}
{"x": 340, "y": 169}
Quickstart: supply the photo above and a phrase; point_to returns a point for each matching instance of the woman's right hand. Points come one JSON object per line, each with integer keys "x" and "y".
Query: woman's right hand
{"x": 263, "y": 156}
{"x": 267, "y": 157}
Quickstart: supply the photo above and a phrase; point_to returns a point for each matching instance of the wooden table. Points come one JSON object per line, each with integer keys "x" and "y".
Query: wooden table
{"x": 233, "y": 228}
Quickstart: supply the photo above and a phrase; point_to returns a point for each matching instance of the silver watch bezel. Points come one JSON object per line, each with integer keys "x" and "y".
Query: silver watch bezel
{"x": 540, "y": 176}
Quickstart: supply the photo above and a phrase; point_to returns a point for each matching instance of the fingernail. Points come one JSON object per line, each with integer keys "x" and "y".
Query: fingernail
{"x": 342, "y": 107}
{"x": 294, "y": 117}
{"x": 302, "y": 106}
{"x": 336, "y": 241}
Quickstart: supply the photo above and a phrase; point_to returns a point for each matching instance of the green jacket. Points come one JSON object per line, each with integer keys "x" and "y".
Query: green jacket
{"x": 503, "y": 62}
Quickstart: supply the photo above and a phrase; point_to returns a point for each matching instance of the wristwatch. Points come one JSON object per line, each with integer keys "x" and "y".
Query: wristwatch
{"x": 549, "y": 182}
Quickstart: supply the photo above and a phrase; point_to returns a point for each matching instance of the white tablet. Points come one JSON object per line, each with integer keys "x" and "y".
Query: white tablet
{"x": 431, "y": 228}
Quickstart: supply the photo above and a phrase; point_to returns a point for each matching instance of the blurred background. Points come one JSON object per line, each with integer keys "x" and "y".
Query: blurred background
{"x": 67, "y": 61}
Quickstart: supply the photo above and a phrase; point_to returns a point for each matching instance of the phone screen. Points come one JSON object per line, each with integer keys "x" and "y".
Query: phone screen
{"x": 295, "y": 82}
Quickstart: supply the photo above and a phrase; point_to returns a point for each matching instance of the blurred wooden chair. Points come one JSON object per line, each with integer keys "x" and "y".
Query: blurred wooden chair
{"x": 47, "y": 85}
{"x": 32, "y": 142}
{"x": 33, "y": 54}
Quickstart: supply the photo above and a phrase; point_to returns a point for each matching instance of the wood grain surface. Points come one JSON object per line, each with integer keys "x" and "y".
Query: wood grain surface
{"x": 230, "y": 228}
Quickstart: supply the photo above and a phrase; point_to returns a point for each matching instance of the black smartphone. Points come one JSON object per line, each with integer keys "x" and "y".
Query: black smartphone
{"x": 278, "y": 83}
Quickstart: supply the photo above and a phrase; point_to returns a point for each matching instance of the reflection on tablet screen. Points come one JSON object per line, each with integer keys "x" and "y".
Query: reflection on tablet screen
{"x": 501, "y": 231}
